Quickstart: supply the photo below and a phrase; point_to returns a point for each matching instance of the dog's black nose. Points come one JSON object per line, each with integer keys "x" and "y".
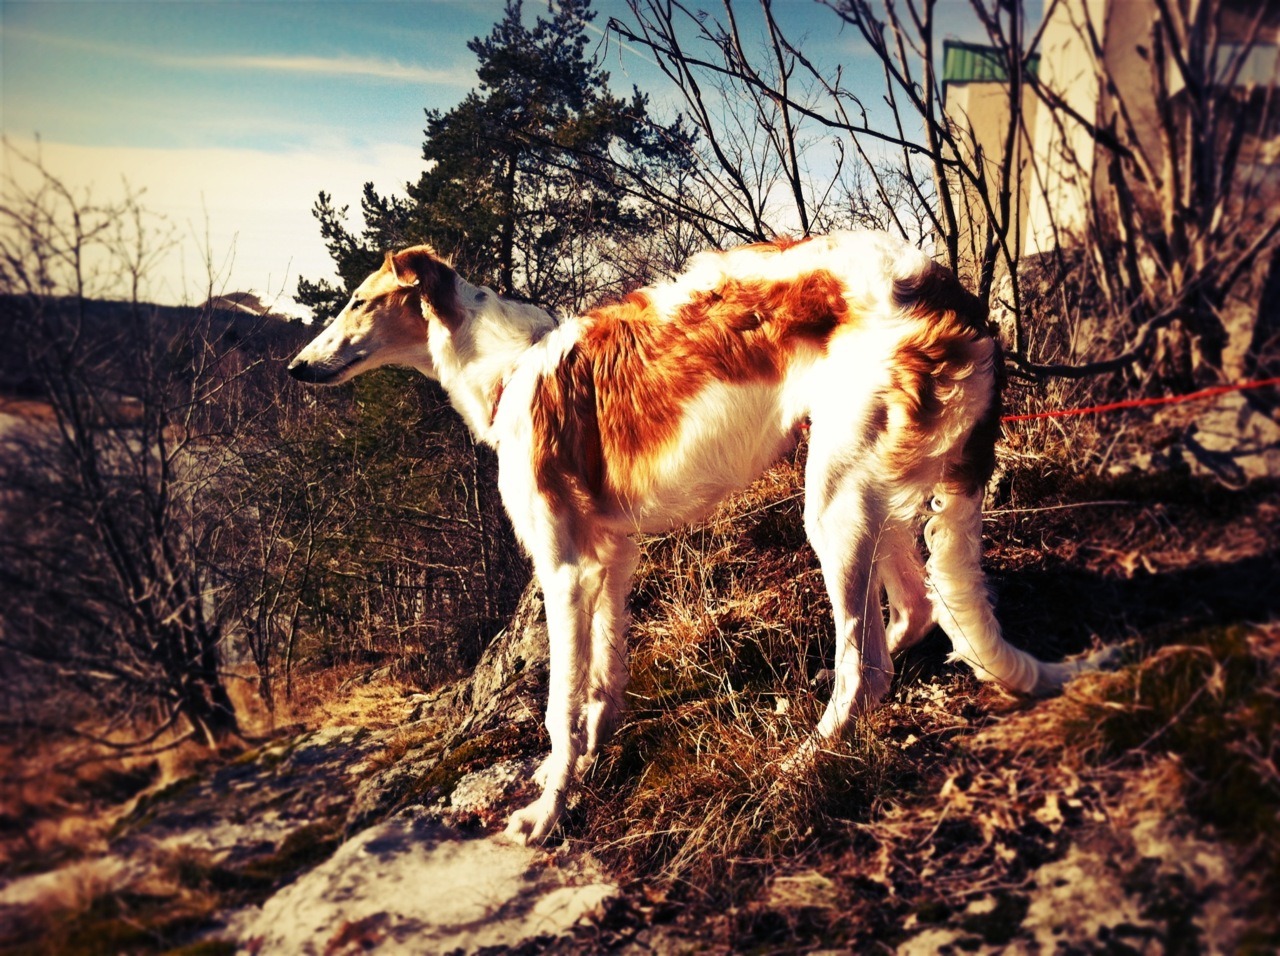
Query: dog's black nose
{"x": 312, "y": 373}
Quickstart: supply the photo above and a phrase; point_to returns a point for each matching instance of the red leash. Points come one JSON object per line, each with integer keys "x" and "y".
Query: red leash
{"x": 1145, "y": 402}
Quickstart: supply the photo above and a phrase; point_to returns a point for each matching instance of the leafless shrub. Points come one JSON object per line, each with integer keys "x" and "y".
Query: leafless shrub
{"x": 175, "y": 514}
{"x": 106, "y": 586}
{"x": 1168, "y": 167}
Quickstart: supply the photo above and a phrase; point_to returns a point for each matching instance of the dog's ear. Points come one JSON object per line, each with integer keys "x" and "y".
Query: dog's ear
{"x": 435, "y": 281}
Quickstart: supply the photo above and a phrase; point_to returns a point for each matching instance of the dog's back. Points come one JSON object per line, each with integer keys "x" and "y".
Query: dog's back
{"x": 649, "y": 411}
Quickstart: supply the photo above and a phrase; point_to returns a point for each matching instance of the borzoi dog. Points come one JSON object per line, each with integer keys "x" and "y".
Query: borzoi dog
{"x": 645, "y": 414}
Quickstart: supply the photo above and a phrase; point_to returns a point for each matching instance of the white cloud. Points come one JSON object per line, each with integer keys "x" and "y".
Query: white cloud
{"x": 325, "y": 66}
{"x": 341, "y": 66}
{"x": 249, "y": 211}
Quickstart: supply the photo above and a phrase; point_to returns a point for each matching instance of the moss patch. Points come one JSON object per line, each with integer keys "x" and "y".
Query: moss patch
{"x": 402, "y": 745}
{"x": 1214, "y": 701}
{"x": 484, "y": 750}
{"x": 145, "y": 809}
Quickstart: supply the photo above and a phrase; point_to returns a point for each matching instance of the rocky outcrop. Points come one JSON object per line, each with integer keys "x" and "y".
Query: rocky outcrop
{"x": 413, "y": 885}
{"x": 425, "y": 868}
{"x": 356, "y": 839}
{"x": 466, "y": 727}
{"x": 508, "y": 682}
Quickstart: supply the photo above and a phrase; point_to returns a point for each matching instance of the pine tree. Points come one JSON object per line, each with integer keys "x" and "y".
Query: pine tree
{"x": 520, "y": 185}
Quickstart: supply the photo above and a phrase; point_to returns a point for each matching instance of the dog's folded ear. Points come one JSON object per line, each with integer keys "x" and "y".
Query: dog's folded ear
{"x": 436, "y": 282}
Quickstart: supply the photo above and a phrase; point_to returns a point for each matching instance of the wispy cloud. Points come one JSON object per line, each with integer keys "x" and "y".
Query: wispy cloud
{"x": 248, "y": 210}
{"x": 326, "y": 66}
{"x": 345, "y": 66}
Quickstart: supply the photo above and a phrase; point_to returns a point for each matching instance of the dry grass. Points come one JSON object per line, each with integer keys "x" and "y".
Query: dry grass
{"x": 1214, "y": 702}
{"x": 731, "y": 637}
{"x": 61, "y": 797}
{"x": 699, "y": 794}
{"x": 1184, "y": 739}
{"x": 401, "y": 744}
{"x": 952, "y": 794}
{"x": 1072, "y": 446}
{"x": 345, "y": 695}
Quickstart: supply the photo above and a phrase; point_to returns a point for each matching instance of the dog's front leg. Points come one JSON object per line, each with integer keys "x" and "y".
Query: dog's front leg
{"x": 607, "y": 679}
{"x": 568, "y": 630}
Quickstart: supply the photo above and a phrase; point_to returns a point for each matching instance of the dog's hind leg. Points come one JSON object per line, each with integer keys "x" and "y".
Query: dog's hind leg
{"x": 843, "y": 517}
{"x": 608, "y": 675}
{"x": 902, "y": 571}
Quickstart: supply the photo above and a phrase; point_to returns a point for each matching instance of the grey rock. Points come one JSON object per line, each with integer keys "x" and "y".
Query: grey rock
{"x": 503, "y": 697}
{"x": 420, "y": 869}
{"x": 413, "y": 885}
{"x": 1235, "y": 441}
{"x": 509, "y": 680}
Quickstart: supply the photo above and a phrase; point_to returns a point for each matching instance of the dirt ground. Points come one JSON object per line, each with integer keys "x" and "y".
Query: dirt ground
{"x": 1136, "y": 812}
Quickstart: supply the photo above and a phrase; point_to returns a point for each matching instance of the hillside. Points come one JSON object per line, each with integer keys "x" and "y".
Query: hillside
{"x": 1135, "y": 813}
{"x": 236, "y": 321}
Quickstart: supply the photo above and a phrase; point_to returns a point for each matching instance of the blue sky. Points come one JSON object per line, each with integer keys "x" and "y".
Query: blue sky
{"x": 234, "y": 115}
{"x": 268, "y": 75}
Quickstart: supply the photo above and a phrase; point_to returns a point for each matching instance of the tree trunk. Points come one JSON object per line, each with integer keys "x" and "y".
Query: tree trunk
{"x": 507, "y": 229}
{"x": 208, "y": 704}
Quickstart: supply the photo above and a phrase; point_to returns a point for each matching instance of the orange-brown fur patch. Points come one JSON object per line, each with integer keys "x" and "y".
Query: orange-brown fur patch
{"x": 925, "y": 370}
{"x": 568, "y": 462}
{"x": 405, "y": 304}
{"x": 619, "y": 395}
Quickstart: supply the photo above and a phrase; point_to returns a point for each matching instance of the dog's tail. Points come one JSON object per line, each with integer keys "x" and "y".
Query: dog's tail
{"x": 953, "y": 535}
{"x": 962, "y": 603}
{"x": 946, "y": 378}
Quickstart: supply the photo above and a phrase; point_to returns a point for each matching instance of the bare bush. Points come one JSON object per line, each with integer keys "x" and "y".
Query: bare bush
{"x": 177, "y": 515}
{"x": 1161, "y": 176}
{"x": 108, "y": 589}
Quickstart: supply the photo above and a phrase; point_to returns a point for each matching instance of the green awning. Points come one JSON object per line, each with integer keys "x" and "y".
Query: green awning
{"x": 974, "y": 63}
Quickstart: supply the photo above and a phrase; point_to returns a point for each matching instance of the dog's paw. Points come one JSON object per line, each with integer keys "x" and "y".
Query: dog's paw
{"x": 533, "y": 825}
{"x": 1054, "y": 676}
{"x": 1106, "y": 658}
{"x": 801, "y": 761}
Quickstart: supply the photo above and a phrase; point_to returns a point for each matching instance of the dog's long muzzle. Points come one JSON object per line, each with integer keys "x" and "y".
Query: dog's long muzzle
{"x": 305, "y": 371}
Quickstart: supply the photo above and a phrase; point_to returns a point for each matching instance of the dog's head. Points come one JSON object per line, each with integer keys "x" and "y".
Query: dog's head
{"x": 387, "y": 321}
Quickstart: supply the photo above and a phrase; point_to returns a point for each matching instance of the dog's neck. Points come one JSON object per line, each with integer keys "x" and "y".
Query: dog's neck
{"x": 475, "y": 361}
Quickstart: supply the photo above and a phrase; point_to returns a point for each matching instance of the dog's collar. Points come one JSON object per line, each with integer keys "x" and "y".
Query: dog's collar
{"x": 502, "y": 382}
{"x": 497, "y": 397}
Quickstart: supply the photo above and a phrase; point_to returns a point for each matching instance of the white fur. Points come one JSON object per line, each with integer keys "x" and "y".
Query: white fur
{"x": 472, "y": 361}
